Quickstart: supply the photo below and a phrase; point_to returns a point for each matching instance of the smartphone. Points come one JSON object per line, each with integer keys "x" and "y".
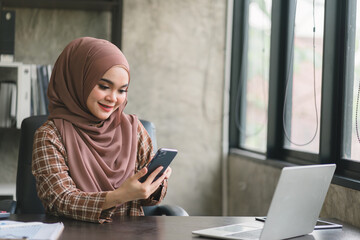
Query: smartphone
{"x": 163, "y": 157}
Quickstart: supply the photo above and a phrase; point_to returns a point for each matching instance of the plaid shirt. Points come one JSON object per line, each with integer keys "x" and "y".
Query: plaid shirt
{"x": 58, "y": 192}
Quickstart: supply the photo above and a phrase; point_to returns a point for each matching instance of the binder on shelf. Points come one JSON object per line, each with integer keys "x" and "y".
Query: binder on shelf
{"x": 44, "y": 77}
{"x": 7, "y": 103}
{"x": 42, "y": 92}
{"x": 34, "y": 91}
{"x": 23, "y": 94}
{"x": 13, "y": 105}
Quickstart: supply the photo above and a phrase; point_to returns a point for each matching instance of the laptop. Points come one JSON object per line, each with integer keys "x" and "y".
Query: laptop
{"x": 294, "y": 209}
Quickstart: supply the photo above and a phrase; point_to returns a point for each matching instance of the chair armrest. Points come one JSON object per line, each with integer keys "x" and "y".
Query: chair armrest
{"x": 168, "y": 210}
{"x": 173, "y": 210}
{"x": 8, "y": 205}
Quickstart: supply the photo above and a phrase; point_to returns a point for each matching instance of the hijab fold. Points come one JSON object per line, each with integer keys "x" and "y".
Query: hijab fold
{"x": 99, "y": 158}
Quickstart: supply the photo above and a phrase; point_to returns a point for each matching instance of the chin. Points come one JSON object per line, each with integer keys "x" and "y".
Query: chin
{"x": 103, "y": 117}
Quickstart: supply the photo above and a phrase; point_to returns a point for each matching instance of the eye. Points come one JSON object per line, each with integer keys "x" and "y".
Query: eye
{"x": 103, "y": 87}
{"x": 121, "y": 91}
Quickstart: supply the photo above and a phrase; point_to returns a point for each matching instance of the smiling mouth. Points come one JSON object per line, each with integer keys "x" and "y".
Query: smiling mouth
{"x": 106, "y": 107}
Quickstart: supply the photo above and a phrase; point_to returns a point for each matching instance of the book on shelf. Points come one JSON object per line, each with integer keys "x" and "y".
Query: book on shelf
{"x": 43, "y": 85}
{"x": 42, "y": 108}
{"x": 40, "y": 85}
{"x": 7, "y": 103}
{"x": 13, "y": 106}
{"x": 30, "y": 230}
{"x": 34, "y": 90}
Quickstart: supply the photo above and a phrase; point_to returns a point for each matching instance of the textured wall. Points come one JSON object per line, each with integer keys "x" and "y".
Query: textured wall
{"x": 252, "y": 184}
{"x": 176, "y": 53}
{"x": 41, "y": 34}
{"x": 342, "y": 203}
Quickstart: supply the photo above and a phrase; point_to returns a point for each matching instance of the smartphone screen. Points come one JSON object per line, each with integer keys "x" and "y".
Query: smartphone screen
{"x": 163, "y": 157}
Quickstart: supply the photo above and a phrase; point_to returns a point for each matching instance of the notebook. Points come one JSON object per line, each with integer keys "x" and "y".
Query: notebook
{"x": 30, "y": 230}
{"x": 294, "y": 209}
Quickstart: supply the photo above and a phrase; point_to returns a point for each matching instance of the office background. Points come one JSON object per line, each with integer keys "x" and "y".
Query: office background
{"x": 177, "y": 54}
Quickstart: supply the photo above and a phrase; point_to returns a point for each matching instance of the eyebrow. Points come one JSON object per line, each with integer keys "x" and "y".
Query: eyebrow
{"x": 110, "y": 82}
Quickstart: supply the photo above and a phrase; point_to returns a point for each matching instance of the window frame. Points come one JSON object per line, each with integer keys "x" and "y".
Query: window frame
{"x": 349, "y": 167}
{"x": 338, "y": 61}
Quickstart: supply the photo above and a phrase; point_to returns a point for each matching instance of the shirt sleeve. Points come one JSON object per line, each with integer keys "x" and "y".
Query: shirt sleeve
{"x": 55, "y": 187}
{"x": 145, "y": 154}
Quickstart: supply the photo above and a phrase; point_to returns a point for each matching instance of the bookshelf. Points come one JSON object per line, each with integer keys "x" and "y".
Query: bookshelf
{"x": 115, "y": 6}
{"x": 15, "y": 99}
{"x": 23, "y": 92}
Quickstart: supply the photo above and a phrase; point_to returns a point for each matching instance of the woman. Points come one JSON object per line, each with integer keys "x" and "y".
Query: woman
{"x": 89, "y": 155}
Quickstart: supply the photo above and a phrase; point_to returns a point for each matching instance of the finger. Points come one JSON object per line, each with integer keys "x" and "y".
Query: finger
{"x": 158, "y": 182}
{"x": 168, "y": 173}
{"x": 168, "y": 170}
{"x": 161, "y": 178}
{"x": 142, "y": 172}
{"x": 152, "y": 176}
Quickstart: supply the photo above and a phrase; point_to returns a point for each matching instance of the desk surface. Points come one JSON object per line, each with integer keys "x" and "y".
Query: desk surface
{"x": 163, "y": 228}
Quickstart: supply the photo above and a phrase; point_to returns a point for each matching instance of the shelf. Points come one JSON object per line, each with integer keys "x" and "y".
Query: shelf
{"x": 115, "y": 6}
{"x": 19, "y": 74}
{"x": 103, "y": 5}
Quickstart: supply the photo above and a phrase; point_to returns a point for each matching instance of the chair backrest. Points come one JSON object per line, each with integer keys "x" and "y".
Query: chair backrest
{"x": 26, "y": 194}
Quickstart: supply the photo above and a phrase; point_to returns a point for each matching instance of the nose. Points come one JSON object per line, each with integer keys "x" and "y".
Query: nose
{"x": 111, "y": 97}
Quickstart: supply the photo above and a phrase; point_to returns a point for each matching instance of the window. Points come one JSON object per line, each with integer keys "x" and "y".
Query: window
{"x": 351, "y": 143}
{"x": 253, "y": 126}
{"x": 303, "y": 94}
{"x": 312, "y": 81}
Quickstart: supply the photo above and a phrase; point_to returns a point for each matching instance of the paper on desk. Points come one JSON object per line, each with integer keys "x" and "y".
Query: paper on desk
{"x": 30, "y": 230}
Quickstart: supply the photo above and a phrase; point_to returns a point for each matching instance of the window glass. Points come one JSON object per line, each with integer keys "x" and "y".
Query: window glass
{"x": 351, "y": 138}
{"x": 254, "y": 111}
{"x": 303, "y": 89}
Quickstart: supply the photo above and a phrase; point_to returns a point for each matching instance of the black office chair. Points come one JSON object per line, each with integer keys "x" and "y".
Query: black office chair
{"x": 26, "y": 194}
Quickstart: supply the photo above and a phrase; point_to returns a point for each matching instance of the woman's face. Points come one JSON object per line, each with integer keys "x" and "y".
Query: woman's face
{"x": 109, "y": 93}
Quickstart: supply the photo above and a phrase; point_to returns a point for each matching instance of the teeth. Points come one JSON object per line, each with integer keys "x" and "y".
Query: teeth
{"x": 105, "y": 106}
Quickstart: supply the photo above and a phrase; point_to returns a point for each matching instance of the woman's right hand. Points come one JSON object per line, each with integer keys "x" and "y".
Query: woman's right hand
{"x": 133, "y": 189}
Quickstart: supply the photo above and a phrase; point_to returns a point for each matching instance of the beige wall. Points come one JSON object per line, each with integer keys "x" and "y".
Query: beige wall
{"x": 252, "y": 183}
{"x": 41, "y": 35}
{"x": 176, "y": 53}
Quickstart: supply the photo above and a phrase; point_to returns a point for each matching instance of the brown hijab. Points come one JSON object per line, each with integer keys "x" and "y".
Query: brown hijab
{"x": 99, "y": 158}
